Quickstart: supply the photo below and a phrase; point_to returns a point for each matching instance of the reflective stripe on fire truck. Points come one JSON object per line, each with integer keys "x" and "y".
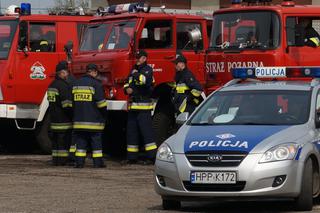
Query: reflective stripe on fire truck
{"x": 150, "y": 146}
{"x": 88, "y": 125}
{"x": 102, "y": 103}
{"x": 183, "y": 105}
{"x": 97, "y": 154}
{"x": 61, "y": 126}
{"x": 81, "y": 153}
{"x": 141, "y": 106}
{"x": 132, "y": 148}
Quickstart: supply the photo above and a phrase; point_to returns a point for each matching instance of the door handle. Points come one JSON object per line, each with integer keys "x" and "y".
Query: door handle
{"x": 171, "y": 57}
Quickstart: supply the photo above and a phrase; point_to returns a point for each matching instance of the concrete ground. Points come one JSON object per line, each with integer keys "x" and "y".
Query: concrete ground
{"x": 29, "y": 184}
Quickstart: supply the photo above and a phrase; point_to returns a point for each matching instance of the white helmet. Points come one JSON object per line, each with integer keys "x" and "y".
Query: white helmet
{"x": 11, "y": 10}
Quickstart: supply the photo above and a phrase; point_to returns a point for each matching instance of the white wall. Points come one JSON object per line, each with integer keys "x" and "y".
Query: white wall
{"x": 205, "y": 5}
{"x": 316, "y": 2}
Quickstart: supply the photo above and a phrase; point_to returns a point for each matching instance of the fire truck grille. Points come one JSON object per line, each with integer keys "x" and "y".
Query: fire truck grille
{"x": 216, "y": 159}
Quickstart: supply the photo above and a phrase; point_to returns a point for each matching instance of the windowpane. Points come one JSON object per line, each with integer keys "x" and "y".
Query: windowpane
{"x": 42, "y": 37}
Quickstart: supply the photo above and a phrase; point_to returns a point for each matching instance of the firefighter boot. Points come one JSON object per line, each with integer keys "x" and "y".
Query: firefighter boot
{"x": 98, "y": 163}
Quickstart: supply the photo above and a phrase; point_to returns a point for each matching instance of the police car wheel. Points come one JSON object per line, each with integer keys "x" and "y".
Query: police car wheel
{"x": 304, "y": 202}
{"x": 42, "y": 135}
{"x": 171, "y": 204}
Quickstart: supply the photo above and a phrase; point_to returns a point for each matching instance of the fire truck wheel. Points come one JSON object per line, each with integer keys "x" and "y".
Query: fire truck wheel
{"x": 42, "y": 135}
{"x": 163, "y": 126}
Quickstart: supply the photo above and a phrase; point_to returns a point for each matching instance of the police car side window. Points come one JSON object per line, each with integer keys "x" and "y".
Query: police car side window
{"x": 42, "y": 37}
{"x": 183, "y": 38}
{"x": 156, "y": 35}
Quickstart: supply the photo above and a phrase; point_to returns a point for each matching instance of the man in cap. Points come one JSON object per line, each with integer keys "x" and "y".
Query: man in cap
{"x": 60, "y": 105}
{"x": 187, "y": 92}
{"x": 90, "y": 107}
{"x": 139, "y": 89}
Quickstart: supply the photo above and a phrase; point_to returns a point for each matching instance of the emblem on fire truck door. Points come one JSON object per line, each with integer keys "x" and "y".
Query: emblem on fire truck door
{"x": 37, "y": 70}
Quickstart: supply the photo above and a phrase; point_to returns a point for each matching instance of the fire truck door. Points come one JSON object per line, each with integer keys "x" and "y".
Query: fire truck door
{"x": 35, "y": 67}
{"x": 300, "y": 50}
{"x": 156, "y": 37}
{"x": 194, "y": 52}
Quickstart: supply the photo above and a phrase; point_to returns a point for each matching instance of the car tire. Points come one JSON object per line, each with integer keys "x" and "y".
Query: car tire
{"x": 162, "y": 125}
{"x": 42, "y": 136}
{"x": 304, "y": 202}
{"x": 171, "y": 204}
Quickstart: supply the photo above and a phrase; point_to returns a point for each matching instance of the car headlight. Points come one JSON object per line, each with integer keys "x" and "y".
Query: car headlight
{"x": 165, "y": 153}
{"x": 281, "y": 152}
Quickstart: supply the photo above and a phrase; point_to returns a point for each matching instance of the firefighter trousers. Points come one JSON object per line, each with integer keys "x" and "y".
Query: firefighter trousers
{"x": 140, "y": 123}
{"x": 83, "y": 139}
{"x": 60, "y": 145}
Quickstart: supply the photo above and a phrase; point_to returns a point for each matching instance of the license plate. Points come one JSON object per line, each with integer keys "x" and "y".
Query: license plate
{"x": 270, "y": 72}
{"x": 213, "y": 177}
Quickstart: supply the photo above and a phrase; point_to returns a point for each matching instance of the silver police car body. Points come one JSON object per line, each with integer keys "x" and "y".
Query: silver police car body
{"x": 253, "y": 139}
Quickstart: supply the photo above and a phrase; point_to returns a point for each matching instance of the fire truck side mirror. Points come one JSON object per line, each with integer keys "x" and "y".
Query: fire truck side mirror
{"x": 68, "y": 49}
{"x": 23, "y": 36}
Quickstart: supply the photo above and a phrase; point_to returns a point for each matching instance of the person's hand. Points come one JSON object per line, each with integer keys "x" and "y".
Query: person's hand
{"x": 134, "y": 71}
{"x": 129, "y": 91}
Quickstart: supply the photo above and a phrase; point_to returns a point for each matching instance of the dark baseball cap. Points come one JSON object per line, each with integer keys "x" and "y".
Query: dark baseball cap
{"x": 62, "y": 65}
{"x": 92, "y": 67}
{"x": 141, "y": 53}
{"x": 180, "y": 58}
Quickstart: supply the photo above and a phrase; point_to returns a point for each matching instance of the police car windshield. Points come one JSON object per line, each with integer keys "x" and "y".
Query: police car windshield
{"x": 7, "y": 31}
{"x": 276, "y": 107}
{"x": 245, "y": 30}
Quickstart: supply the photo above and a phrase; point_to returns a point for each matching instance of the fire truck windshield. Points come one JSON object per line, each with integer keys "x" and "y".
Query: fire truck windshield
{"x": 245, "y": 30}
{"x": 108, "y": 36}
{"x": 7, "y": 31}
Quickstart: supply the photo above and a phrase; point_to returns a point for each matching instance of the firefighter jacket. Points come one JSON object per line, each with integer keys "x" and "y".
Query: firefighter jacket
{"x": 60, "y": 105}
{"x": 187, "y": 90}
{"x": 312, "y": 38}
{"x": 89, "y": 104}
{"x": 140, "y": 80}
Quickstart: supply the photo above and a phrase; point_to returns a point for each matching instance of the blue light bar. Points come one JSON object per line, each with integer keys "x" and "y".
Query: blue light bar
{"x": 25, "y": 9}
{"x": 243, "y": 73}
{"x": 276, "y": 72}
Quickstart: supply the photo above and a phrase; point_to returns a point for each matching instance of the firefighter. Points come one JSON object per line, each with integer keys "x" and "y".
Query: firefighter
{"x": 60, "y": 105}
{"x": 139, "y": 89}
{"x": 90, "y": 107}
{"x": 187, "y": 91}
{"x": 310, "y": 35}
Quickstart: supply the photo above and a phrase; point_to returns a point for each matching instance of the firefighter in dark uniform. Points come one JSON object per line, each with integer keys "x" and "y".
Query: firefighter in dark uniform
{"x": 90, "y": 107}
{"x": 60, "y": 111}
{"x": 139, "y": 88}
{"x": 187, "y": 91}
{"x": 310, "y": 35}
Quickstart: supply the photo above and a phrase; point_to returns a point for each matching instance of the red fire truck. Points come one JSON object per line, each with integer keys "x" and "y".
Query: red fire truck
{"x": 30, "y": 47}
{"x": 256, "y": 35}
{"x": 110, "y": 41}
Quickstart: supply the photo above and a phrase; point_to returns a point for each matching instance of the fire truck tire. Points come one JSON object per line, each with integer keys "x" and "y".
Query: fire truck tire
{"x": 163, "y": 126}
{"x": 42, "y": 135}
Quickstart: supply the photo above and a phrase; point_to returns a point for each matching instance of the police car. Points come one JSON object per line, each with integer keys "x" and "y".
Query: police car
{"x": 252, "y": 138}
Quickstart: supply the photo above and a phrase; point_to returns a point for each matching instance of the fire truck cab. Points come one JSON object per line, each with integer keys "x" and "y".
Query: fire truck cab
{"x": 256, "y": 34}
{"x": 30, "y": 48}
{"x": 112, "y": 40}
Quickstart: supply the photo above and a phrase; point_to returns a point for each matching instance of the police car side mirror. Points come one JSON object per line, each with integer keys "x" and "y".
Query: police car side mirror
{"x": 182, "y": 118}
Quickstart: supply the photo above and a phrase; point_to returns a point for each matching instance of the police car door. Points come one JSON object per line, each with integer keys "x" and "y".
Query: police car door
{"x": 194, "y": 52}
{"x": 156, "y": 37}
{"x": 36, "y": 61}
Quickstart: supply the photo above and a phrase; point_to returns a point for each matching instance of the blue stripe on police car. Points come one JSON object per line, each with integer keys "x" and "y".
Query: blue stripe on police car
{"x": 227, "y": 138}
